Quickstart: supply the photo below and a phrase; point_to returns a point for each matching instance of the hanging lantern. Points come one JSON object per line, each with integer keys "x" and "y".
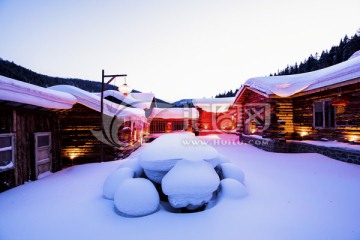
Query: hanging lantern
{"x": 125, "y": 89}
{"x": 340, "y": 101}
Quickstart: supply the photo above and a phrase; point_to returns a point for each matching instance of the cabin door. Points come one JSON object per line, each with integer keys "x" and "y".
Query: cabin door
{"x": 42, "y": 152}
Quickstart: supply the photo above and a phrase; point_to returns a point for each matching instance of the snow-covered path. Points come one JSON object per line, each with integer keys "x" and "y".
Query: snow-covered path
{"x": 291, "y": 196}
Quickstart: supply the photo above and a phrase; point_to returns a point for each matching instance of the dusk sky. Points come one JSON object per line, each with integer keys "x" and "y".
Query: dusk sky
{"x": 175, "y": 49}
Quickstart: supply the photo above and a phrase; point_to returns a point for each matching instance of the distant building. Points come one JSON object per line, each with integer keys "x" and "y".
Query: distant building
{"x": 166, "y": 120}
{"x": 216, "y": 115}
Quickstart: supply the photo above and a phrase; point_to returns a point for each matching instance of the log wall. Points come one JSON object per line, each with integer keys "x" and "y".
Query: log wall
{"x": 79, "y": 145}
{"x": 284, "y": 118}
{"x": 218, "y": 121}
{"x": 347, "y": 118}
{"x": 24, "y": 123}
{"x": 266, "y": 123}
{"x": 161, "y": 125}
{"x": 290, "y": 117}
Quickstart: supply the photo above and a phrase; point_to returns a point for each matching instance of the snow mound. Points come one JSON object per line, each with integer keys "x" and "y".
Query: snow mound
{"x": 132, "y": 163}
{"x": 136, "y": 197}
{"x": 223, "y": 159}
{"x": 232, "y": 189}
{"x": 230, "y": 170}
{"x": 190, "y": 184}
{"x": 165, "y": 151}
{"x": 155, "y": 176}
{"x": 114, "y": 180}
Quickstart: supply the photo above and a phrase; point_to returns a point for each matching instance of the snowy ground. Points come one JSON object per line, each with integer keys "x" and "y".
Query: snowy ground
{"x": 291, "y": 196}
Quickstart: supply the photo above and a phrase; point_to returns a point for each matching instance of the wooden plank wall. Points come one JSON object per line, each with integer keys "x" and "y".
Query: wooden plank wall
{"x": 284, "y": 118}
{"x": 24, "y": 123}
{"x": 347, "y": 118}
{"x": 251, "y": 97}
{"x": 291, "y": 116}
{"x": 79, "y": 145}
{"x": 205, "y": 120}
{"x": 182, "y": 124}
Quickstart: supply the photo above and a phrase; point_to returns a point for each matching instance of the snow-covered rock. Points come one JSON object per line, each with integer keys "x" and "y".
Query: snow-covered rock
{"x": 132, "y": 163}
{"x": 114, "y": 180}
{"x": 223, "y": 159}
{"x": 190, "y": 183}
{"x": 165, "y": 151}
{"x": 155, "y": 176}
{"x": 233, "y": 189}
{"x": 230, "y": 170}
{"x": 136, "y": 197}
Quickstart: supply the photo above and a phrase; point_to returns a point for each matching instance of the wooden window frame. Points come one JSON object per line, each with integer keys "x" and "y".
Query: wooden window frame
{"x": 157, "y": 126}
{"x": 323, "y": 114}
{"x": 12, "y": 148}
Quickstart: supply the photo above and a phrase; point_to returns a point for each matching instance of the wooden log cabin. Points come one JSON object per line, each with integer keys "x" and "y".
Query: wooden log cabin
{"x": 80, "y": 131}
{"x": 319, "y": 105}
{"x": 216, "y": 115}
{"x": 167, "y": 120}
{"x": 44, "y": 129}
{"x": 29, "y": 131}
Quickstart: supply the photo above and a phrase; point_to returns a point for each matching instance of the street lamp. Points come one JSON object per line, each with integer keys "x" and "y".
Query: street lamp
{"x": 103, "y": 86}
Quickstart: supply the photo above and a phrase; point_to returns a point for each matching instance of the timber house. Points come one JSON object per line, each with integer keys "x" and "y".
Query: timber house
{"x": 319, "y": 105}
{"x": 29, "y": 131}
{"x": 80, "y": 129}
{"x": 167, "y": 120}
{"x": 216, "y": 115}
{"x": 44, "y": 129}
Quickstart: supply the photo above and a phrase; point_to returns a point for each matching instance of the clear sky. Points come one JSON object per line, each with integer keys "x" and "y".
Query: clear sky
{"x": 173, "y": 48}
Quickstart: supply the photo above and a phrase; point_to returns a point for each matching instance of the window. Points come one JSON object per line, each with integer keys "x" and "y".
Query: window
{"x": 324, "y": 114}
{"x": 6, "y": 151}
{"x": 157, "y": 126}
{"x": 43, "y": 141}
{"x": 42, "y": 152}
{"x": 178, "y": 125}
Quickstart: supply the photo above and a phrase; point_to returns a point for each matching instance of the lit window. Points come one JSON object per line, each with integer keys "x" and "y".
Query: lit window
{"x": 324, "y": 114}
{"x": 6, "y": 151}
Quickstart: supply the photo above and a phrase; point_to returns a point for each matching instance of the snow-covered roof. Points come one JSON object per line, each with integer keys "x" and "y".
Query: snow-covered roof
{"x": 21, "y": 92}
{"x": 93, "y": 101}
{"x": 286, "y": 86}
{"x": 214, "y": 104}
{"x": 137, "y": 100}
{"x": 174, "y": 113}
